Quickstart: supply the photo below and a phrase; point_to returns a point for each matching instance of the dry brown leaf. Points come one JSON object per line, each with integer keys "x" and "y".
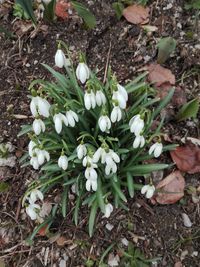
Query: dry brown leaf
{"x": 171, "y": 189}
{"x": 179, "y": 97}
{"x": 159, "y": 75}
{"x": 136, "y": 14}
{"x": 187, "y": 158}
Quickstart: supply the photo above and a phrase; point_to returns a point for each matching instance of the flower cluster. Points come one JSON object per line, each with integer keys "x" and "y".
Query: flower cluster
{"x": 82, "y": 134}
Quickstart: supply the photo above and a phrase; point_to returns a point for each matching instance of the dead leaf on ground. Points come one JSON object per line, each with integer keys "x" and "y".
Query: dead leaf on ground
{"x": 159, "y": 75}
{"x": 61, "y": 9}
{"x": 136, "y": 14}
{"x": 187, "y": 158}
{"x": 171, "y": 189}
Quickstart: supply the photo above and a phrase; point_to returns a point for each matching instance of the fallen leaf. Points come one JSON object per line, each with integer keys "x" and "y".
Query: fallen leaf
{"x": 113, "y": 260}
{"x": 61, "y": 9}
{"x": 159, "y": 75}
{"x": 187, "y": 158}
{"x": 171, "y": 189}
{"x": 136, "y": 14}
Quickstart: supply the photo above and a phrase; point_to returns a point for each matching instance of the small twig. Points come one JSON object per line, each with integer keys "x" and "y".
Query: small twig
{"x": 107, "y": 64}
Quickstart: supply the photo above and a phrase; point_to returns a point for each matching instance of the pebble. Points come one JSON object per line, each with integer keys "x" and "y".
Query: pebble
{"x": 186, "y": 220}
{"x": 109, "y": 226}
{"x": 62, "y": 263}
{"x": 125, "y": 242}
{"x": 169, "y": 6}
{"x": 28, "y": 65}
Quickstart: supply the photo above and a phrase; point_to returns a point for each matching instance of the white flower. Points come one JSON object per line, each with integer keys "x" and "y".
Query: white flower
{"x": 139, "y": 141}
{"x": 38, "y": 126}
{"x": 90, "y": 184}
{"x": 104, "y": 123}
{"x": 63, "y": 162}
{"x": 42, "y": 155}
{"x": 47, "y": 2}
{"x": 31, "y": 148}
{"x": 81, "y": 151}
{"x": 156, "y": 149}
{"x": 34, "y": 162}
{"x": 112, "y": 168}
{"x": 117, "y": 96}
{"x": 39, "y": 106}
{"x": 71, "y": 118}
{"x": 100, "y": 98}
{"x": 136, "y": 125}
{"x": 35, "y": 195}
{"x": 122, "y": 91}
{"x": 89, "y": 100}
{"x": 148, "y": 190}
{"x": 116, "y": 114}
{"x": 108, "y": 210}
{"x": 99, "y": 154}
{"x": 82, "y": 72}
{"x": 32, "y": 210}
{"x": 88, "y": 162}
{"x": 59, "y": 58}
{"x": 111, "y": 159}
{"x": 91, "y": 174}
{"x": 58, "y": 119}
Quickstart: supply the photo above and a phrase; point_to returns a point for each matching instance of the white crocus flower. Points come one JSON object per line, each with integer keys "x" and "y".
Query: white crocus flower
{"x": 32, "y": 210}
{"x": 108, "y": 210}
{"x": 58, "y": 119}
{"x": 63, "y": 162}
{"x": 89, "y": 100}
{"x": 99, "y": 154}
{"x": 116, "y": 114}
{"x": 34, "y": 162}
{"x": 136, "y": 125}
{"x": 38, "y": 126}
{"x": 100, "y": 98}
{"x": 82, "y": 72}
{"x": 39, "y": 106}
{"x": 81, "y": 151}
{"x": 122, "y": 91}
{"x": 139, "y": 141}
{"x": 72, "y": 118}
{"x": 60, "y": 58}
{"x": 35, "y": 195}
{"x": 156, "y": 149}
{"x": 117, "y": 96}
{"x": 148, "y": 190}
{"x": 104, "y": 123}
{"x": 42, "y": 155}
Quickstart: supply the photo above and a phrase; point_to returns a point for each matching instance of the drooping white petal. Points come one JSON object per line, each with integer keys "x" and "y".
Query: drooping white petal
{"x": 70, "y": 119}
{"x": 34, "y": 162}
{"x": 108, "y": 210}
{"x": 74, "y": 115}
{"x": 97, "y": 154}
{"x": 122, "y": 91}
{"x": 94, "y": 185}
{"x": 158, "y": 150}
{"x": 150, "y": 192}
{"x": 41, "y": 157}
{"x": 102, "y": 123}
{"x": 35, "y": 195}
{"x": 87, "y": 101}
{"x": 82, "y": 72}
{"x": 114, "y": 115}
{"x": 114, "y": 156}
{"x": 58, "y": 122}
{"x": 31, "y": 146}
{"x": 33, "y": 106}
{"x": 144, "y": 189}
{"x": 93, "y": 99}
{"x": 152, "y": 148}
{"x": 37, "y": 126}
{"x": 59, "y": 58}
{"x": 63, "y": 162}
{"x": 43, "y": 107}
{"x": 81, "y": 151}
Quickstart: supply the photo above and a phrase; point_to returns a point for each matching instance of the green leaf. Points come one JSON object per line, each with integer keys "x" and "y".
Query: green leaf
{"x": 27, "y": 5}
{"x": 51, "y": 167}
{"x": 100, "y": 197}
{"x": 85, "y": 14}
{"x": 188, "y": 110}
{"x": 130, "y": 184}
{"x": 49, "y": 10}
{"x": 118, "y": 7}
{"x": 25, "y": 129}
{"x": 145, "y": 169}
{"x": 4, "y": 187}
{"x": 64, "y": 201}
{"x": 165, "y": 46}
{"x": 118, "y": 190}
{"x": 92, "y": 218}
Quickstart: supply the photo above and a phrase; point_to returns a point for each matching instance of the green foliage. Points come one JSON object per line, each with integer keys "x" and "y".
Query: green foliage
{"x": 85, "y": 14}
{"x": 193, "y": 4}
{"x": 49, "y": 10}
{"x": 4, "y": 187}
{"x": 118, "y": 7}
{"x": 19, "y": 12}
{"x": 188, "y": 110}
{"x": 27, "y": 6}
{"x": 165, "y": 46}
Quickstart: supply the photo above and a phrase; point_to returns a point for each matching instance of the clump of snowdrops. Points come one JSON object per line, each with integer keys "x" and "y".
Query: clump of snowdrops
{"x": 90, "y": 139}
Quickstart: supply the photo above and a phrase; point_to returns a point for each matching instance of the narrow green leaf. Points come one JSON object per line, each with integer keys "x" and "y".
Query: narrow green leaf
{"x": 64, "y": 201}
{"x": 130, "y": 184}
{"x": 118, "y": 190}
{"x": 25, "y": 129}
{"x": 100, "y": 197}
{"x": 51, "y": 167}
{"x": 188, "y": 110}
{"x": 145, "y": 169}
{"x": 76, "y": 210}
{"x": 165, "y": 46}
{"x": 27, "y": 5}
{"x": 92, "y": 218}
{"x": 85, "y": 14}
{"x": 49, "y": 10}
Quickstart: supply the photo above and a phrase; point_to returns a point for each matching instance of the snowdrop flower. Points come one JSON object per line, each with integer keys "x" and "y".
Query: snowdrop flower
{"x": 35, "y": 195}
{"x": 31, "y": 148}
{"x": 156, "y": 149}
{"x": 34, "y": 162}
{"x": 89, "y": 100}
{"x": 111, "y": 168}
{"x": 104, "y": 123}
{"x": 39, "y": 106}
{"x": 117, "y": 96}
{"x": 116, "y": 114}
{"x": 81, "y": 151}
{"x": 111, "y": 159}
{"x": 136, "y": 125}
{"x": 58, "y": 119}
{"x": 108, "y": 210}
{"x": 71, "y": 118}
{"x": 148, "y": 190}
{"x": 139, "y": 141}
{"x": 63, "y": 162}
{"x": 90, "y": 173}
{"x": 91, "y": 184}
{"x": 38, "y": 126}
{"x": 32, "y": 210}
{"x": 99, "y": 154}
{"x": 59, "y": 58}
{"x": 122, "y": 91}
{"x": 42, "y": 155}
{"x": 82, "y": 72}
{"x": 100, "y": 98}
{"x": 88, "y": 162}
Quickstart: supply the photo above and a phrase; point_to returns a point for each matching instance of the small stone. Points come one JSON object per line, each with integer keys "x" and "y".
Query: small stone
{"x": 28, "y": 65}
{"x": 186, "y": 220}
{"x": 125, "y": 242}
{"x": 109, "y": 226}
{"x": 195, "y": 253}
{"x": 35, "y": 62}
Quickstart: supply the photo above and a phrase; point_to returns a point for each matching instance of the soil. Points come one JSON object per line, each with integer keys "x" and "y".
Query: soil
{"x": 157, "y": 230}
